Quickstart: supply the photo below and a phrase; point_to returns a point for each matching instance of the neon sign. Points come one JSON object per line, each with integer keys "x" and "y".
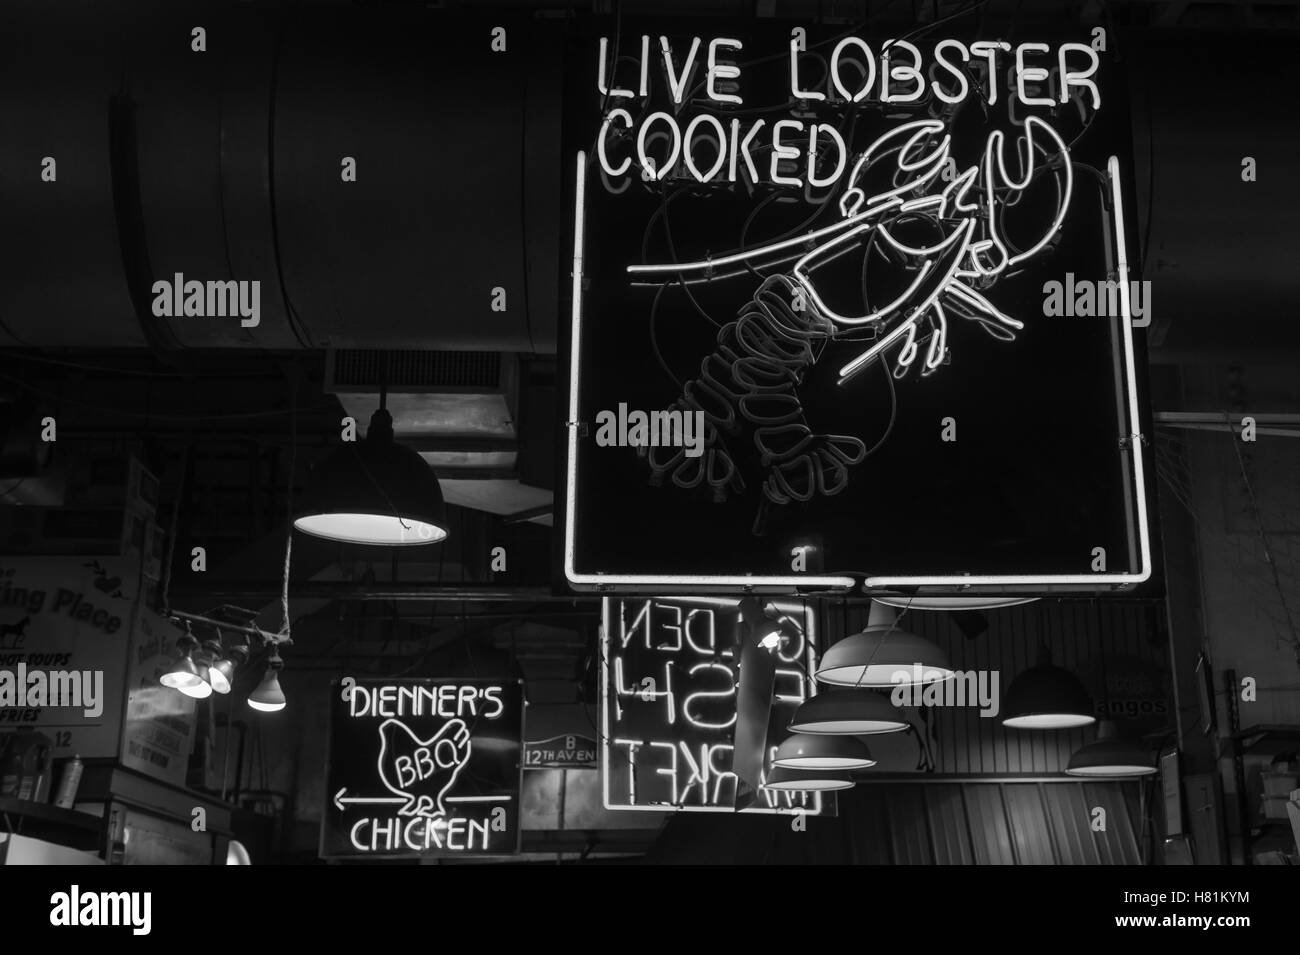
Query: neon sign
{"x": 669, "y": 675}
{"x": 823, "y": 248}
{"x": 423, "y": 767}
{"x": 731, "y": 146}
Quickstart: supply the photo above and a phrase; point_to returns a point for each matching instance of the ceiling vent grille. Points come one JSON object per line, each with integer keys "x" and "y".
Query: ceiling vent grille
{"x": 356, "y": 369}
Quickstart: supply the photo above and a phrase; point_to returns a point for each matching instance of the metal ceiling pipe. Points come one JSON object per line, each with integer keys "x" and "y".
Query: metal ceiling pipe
{"x": 227, "y": 164}
{"x": 311, "y": 590}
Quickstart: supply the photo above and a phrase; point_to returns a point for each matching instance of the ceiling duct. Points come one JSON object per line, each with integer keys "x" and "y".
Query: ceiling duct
{"x": 229, "y": 165}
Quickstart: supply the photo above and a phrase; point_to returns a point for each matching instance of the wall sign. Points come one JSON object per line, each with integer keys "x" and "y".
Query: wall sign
{"x": 423, "y": 767}
{"x": 66, "y": 622}
{"x": 668, "y": 702}
{"x": 569, "y": 751}
{"x": 817, "y": 295}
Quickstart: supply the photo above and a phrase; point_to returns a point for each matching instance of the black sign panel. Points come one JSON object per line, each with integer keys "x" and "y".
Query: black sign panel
{"x": 423, "y": 767}
{"x": 669, "y": 678}
{"x": 869, "y": 293}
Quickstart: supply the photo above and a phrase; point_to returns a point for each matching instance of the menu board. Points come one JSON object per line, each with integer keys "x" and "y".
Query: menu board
{"x": 426, "y": 767}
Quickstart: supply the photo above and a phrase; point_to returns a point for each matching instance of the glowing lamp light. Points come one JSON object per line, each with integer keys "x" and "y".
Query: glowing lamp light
{"x": 375, "y": 491}
{"x": 201, "y": 689}
{"x": 183, "y": 672}
{"x": 1046, "y": 697}
{"x": 268, "y": 697}
{"x": 1110, "y": 755}
{"x": 849, "y": 712}
{"x": 221, "y": 670}
{"x": 823, "y": 751}
{"x": 796, "y": 780}
{"x": 883, "y": 656}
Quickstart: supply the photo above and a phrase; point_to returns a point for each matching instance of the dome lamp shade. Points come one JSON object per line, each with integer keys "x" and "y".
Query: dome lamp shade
{"x": 1047, "y": 697}
{"x": 883, "y": 656}
{"x": 268, "y": 697}
{"x": 798, "y": 780}
{"x": 183, "y": 672}
{"x": 847, "y": 711}
{"x": 1111, "y": 756}
{"x": 374, "y": 491}
{"x": 822, "y": 752}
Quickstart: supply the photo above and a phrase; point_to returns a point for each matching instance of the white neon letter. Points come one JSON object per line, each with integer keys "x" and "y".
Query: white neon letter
{"x": 678, "y": 83}
{"x": 672, "y": 153}
{"x": 600, "y": 76}
{"x": 1072, "y": 78}
{"x": 841, "y": 150}
{"x": 952, "y": 68}
{"x": 861, "y": 94}
{"x": 744, "y": 148}
{"x": 989, "y": 50}
{"x": 780, "y": 152}
{"x": 690, "y": 143}
{"x": 905, "y": 74}
{"x": 1030, "y": 74}
{"x": 795, "y": 92}
{"x": 600, "y": 143}
{"x": 645, "y": 66}
{"x": 725, "y": 71}
{"x": 728, "y": 689}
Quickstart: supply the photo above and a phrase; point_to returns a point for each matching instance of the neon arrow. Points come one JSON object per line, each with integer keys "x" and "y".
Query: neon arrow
{"x": 339, "y": 800}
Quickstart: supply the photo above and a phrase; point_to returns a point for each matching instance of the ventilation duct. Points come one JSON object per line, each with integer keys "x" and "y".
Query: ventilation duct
{"x": 228, "y": 165}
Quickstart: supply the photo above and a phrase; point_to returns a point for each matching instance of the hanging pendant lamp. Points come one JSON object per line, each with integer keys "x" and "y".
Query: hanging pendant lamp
{"x": 800, "y": 751}
{"x": 848, "y": 711}
{"x": 1111, "y": 755}
{"x": 183, "y": 672}
{"x": 201, "y": 688}
{"x": 883, "y": 656}
{"x": 268, "y": 697}
{"x": 1047, "y": 697}
{"x": 374, "y": 491}
{"x": 799, "y": 780}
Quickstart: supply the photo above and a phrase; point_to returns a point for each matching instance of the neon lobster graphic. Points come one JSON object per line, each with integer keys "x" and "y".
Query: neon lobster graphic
{"x": 760, "y": 359}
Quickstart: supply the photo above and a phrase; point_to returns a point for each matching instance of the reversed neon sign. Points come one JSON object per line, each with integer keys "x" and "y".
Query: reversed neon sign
{"x": 668, "y": 703}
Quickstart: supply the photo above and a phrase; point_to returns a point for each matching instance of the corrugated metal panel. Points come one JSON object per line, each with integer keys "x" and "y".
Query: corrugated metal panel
{"x": 988, "y": 832}
{"x": 1120, "y": 843}
{"x": 925, "y": 824}
{"x": 1070, "y": 814}
{"x": 1030, "y": 833}
{"x": 950, "y": 833}
{"x": 908, "y": 830}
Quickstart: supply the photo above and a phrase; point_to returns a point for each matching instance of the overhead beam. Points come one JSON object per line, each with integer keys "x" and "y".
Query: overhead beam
{"x": 236, "y": 591}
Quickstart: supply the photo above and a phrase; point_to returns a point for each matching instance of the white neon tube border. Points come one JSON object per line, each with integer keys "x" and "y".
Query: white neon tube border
{"x": 1139, "y": 468}
{"x": 810, "y": 644}
{"x": 570, "y": 491}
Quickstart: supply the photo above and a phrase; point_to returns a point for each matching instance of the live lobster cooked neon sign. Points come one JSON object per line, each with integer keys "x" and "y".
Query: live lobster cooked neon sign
{"x": 911, "y": 197}
{"x": 894, "y": 73}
